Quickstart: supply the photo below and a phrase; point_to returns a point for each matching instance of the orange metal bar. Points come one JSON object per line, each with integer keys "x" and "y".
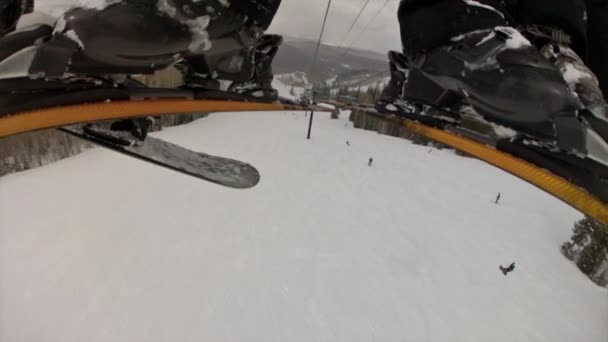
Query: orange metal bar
{"x": 74, "y": 114}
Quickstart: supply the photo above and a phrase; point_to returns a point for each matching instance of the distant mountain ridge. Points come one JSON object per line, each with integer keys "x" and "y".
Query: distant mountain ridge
{"x": 296, "y": 54}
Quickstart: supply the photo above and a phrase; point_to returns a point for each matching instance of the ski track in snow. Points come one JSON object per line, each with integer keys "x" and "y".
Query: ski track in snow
{"x": 100, "y": 247}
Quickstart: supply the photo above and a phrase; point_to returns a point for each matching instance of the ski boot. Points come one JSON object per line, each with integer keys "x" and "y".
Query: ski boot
{"x": 526, "y": 94}
{"x": 90, "y": 53}
{"x": 248, "y": 74}
{"x": 555, "y": 47}
{"x": 394, "y": 102}
{"x": 390, "y": 101}
{"x": 260, "y": 85}
{"x": 507, "y": 81}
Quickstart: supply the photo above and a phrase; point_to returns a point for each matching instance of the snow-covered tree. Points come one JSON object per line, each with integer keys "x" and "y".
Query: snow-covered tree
{"x": 588, "y": 248}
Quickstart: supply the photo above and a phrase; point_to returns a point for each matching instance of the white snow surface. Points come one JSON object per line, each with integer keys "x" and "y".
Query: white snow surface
{"x": 378, "y": 84}
{"x": 516, "y": 39}
{"x": 74, "y": 36}
{"x": 573, "y": 75}
{"x": 326, "y": 105}
{"x": 285, "y": 89}
{"x": 362, "y": 82}
{"x": 297, "y": 78}
{"x": 101, "y": 247}
{"x": 503, "y": 131}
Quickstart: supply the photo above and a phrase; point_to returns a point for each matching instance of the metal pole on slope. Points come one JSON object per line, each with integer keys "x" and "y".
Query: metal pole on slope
{"x": 312, "y": 114}
{"x": 312, "y": 67}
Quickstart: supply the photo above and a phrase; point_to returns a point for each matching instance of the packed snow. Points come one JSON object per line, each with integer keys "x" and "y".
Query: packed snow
{"x": 74, "y": 36}
{"x": 101, "y": 247}
{"x": 516, "y": 40}
{"x": 361, "y": 82}
{"x": 326, "y": 105}
{"x": 298, "y": 79}
{"x": 286, "y": 90}
{"x": 330, "y": 82}
{"x": 365, "y": 86}
{"x": 574, "y": 75}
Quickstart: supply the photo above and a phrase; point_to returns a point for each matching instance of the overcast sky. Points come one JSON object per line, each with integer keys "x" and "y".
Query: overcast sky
{"x": 303, "y": 18}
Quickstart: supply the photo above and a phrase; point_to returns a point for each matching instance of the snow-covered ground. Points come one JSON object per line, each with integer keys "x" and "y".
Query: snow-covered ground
{"x": 326, "y": 105}
{"x": 361, "y": 82}
{"x": 286, "y": 90}
{"x": 298, "y": 79}
{"x": 100, "y": 247}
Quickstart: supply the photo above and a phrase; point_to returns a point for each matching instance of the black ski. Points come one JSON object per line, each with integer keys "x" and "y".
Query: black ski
{"x": 223, "y": 171}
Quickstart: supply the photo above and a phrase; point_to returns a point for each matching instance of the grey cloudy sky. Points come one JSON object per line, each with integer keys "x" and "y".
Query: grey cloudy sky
{"x": 303, "y": 18}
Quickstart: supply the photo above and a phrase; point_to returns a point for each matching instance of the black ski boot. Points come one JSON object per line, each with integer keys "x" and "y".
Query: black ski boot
{"x": 260, "y": 85}
{"x": 90, "y": 53}
{"x": 248, "y": 73}
{"x": 391, "y": 100}
{"x": 468, "y": 71}
{"x": 508, "y": 82}
{"x": 555, "y": 46}
{"x": 476, "y": 58}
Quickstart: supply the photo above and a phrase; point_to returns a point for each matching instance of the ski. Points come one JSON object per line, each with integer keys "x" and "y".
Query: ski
{"x": 83, "y": 113}
{"x": 223, "y": 171}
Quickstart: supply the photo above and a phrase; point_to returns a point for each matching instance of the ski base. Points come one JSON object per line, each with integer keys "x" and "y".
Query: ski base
{"x": 223, "y": 171}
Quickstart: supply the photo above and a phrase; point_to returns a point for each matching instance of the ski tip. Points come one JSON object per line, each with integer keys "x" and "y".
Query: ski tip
{"x": 239, "y": 175}
{"x": 249, "y": 178}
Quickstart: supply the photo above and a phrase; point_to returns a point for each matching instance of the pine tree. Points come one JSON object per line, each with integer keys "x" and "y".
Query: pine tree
{"x": 369, "y": 97}
{"x": 588, "y": 248}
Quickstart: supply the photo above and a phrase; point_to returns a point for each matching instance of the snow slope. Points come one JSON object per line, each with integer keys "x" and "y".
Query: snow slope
{"x": 285, "y": 89}
{"x": 100, "y": 247}
{"x": 361, "y": 81}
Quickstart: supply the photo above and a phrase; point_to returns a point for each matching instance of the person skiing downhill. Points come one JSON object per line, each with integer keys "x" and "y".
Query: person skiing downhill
{"x": 516, "y": 63}
{"x": 507, "y": 270}
{"x": 216, "y": 44}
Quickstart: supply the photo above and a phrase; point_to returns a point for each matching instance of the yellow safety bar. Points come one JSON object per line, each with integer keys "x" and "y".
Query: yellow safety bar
{"x": 90, "y": 112}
